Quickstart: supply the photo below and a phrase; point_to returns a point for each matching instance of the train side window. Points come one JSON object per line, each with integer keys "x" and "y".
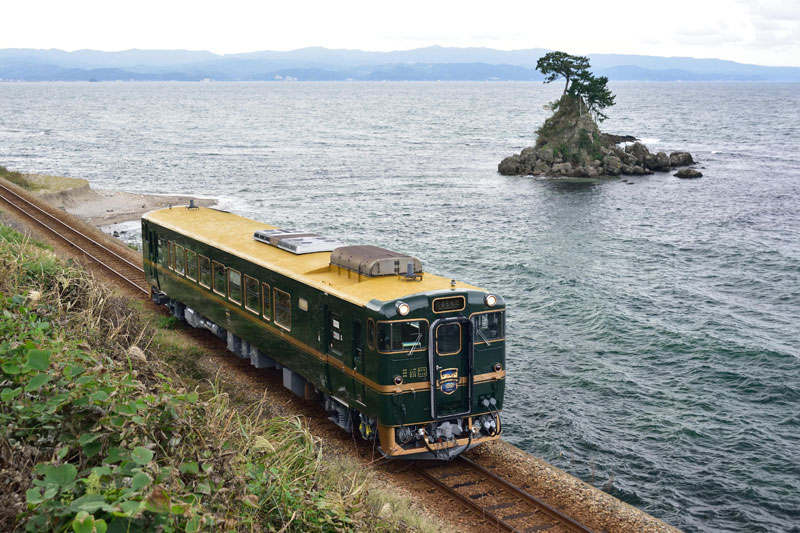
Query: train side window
{"x": 405, "y": 336}
{"x": 283, "y": 309}
{"x": 180, "y": 259}
{"x": 337, "y": 339}
{"x": 251, "y": 297}
{"x": 220, "y": 285}
{"x": 371, "y": 334}
{"x": 205, "y": 271}
{"x": 162, "y": 252}
{"x": 235, "y": 286}
{"x": 266, "y": 310}
{"x": 488, "y": 326}
{"x": 171, "y": 257}
{"x": 191, "y": 265}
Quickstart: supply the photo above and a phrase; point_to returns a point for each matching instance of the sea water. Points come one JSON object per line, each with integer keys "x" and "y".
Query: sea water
{"x": 653, "y": 324}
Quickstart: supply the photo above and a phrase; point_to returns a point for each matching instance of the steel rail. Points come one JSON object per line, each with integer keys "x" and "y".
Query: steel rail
{"x": 55, "y": 232}
{"x": 515, "y": 493}
{"x": 518, "y": 491}
{"x": 100, "y": 245}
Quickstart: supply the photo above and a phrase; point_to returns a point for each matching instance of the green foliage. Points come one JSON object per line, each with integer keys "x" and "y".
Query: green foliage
{"x": 10, "y": 235}
{"x": 112, "y": 447}
{"x": 555, "y": 65}
{"x": 17, "y": 178}
{"x": 594, "y": 92}
{"x": 167, "y": 322}
{"x": 580, "y": 82}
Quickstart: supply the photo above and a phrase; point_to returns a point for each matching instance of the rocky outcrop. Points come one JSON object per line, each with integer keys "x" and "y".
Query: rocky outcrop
{"x": 688, "y": 173}
{"x": 570, "y": 144}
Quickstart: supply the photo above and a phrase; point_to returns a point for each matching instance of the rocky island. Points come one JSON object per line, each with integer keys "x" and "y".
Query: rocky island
{"x": 570, "y": 143}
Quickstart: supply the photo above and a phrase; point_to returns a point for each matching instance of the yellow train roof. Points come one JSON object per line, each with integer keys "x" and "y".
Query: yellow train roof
{"x": 234, "y": 234}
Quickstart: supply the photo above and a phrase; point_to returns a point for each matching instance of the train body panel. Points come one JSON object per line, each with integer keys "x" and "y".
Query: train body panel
{"x": 415, "y": 358}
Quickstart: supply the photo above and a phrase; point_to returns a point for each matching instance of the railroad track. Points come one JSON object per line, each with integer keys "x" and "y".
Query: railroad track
{"x": 501, "y": 504}
{"x": 49, "y": 221}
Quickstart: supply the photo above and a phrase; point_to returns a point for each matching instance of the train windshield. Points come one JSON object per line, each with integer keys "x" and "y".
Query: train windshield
{"x": 488, "y": 326}
{"x": 407, "y": 336}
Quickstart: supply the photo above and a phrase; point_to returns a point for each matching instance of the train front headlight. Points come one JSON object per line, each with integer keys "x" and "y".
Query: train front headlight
{"x": 490, "y": 300}
{"x": 402, "y": 308}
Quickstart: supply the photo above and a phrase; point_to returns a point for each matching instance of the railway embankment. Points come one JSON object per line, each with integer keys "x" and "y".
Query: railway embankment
{"x": 97, "y": 428}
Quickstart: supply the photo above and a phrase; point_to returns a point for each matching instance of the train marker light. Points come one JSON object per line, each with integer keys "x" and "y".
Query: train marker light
{"x": 403, "y": 308}
{"x": 490, "y": 300}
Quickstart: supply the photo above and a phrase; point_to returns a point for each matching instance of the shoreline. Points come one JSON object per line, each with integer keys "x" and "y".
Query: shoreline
{"x": 104, "y": 207}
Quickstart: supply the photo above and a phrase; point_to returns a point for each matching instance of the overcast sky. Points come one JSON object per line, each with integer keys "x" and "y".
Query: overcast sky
{"x": 764, "y": 32}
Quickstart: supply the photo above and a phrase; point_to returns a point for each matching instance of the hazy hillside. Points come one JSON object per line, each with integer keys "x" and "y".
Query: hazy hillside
{"x": 307, "y": 64}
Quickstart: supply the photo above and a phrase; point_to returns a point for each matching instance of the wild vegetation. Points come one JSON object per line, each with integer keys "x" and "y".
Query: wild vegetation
{"x": 98, "y": 434}
{"x": 580, "y": 83}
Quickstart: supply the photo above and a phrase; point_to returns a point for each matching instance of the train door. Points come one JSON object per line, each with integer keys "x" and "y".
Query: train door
{"x": 358, "y": 362}
{"x": 451, "y": 356}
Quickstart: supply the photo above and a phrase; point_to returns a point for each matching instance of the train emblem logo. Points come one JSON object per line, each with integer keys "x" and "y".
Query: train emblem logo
{"x": 448, "y": 380}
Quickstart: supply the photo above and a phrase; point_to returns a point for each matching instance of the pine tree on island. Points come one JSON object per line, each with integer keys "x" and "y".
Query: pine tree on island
{"x": 570, "y": 143}
{"x": 585, "y": 86}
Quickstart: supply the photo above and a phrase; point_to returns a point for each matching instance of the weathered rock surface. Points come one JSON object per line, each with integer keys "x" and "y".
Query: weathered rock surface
{"x": 688, "y": 173}
{"x": 570, "y": 144}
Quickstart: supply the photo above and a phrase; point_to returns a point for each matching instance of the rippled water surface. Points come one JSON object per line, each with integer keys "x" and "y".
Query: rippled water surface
{"x": 654, "y": 325}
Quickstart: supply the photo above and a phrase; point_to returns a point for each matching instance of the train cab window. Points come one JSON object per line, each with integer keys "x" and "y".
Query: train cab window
{"x": 234, "y": 286}
{"x": 252, "y": 300}
{"x": 283, "y": 309}
{"x": 337, "y": 338}
{"x": 266, "y": 310}
{"x": 448, "y": 339}
{"x": 191, "y": 265}
{"x": 220, "y": 286}
{"x": 405, "y": 336}
{"x": 371, "y": 334}
{"x": 205, "y": 271}
{"x": 180, "y": 259}
{"x": 488, "y": 326}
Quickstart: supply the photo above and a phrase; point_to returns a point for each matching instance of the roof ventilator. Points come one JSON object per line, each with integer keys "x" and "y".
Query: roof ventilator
{"x": 191, "y": 204}
{"x": 372, "y": 261}
{"x": 297, "y": 242}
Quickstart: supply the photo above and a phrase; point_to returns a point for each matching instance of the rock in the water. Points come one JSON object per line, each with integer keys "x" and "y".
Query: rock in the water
{"x": 658, "y": 162}
{"x": 688, "y": 173}
{"x": 561, "y": 169}
{"x": 510, "y": 166}
{"x": 639, "y": 151}
{"x": 609, "y": 138}
{"x": 680, "y": 159}
{"x": 612, "y": 165}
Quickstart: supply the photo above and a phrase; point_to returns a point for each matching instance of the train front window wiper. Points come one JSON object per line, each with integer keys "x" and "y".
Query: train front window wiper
{"x": 415, "y": 343}
{"x": 483, "y": 337}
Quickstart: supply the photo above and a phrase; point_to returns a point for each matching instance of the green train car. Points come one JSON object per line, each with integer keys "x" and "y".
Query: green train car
{"x": 410, "y": 358}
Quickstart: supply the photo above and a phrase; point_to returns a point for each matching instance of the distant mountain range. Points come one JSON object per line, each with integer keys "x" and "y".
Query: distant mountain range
{"x": 323, "y": 64}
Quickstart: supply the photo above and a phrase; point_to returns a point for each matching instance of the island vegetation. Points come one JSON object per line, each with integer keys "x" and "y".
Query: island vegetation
{"x": 570, "y": 143}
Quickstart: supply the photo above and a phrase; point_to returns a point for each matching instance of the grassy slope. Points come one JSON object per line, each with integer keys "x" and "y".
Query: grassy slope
{"x": 97, "y": 433}
{"x": 40, "y": 183}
